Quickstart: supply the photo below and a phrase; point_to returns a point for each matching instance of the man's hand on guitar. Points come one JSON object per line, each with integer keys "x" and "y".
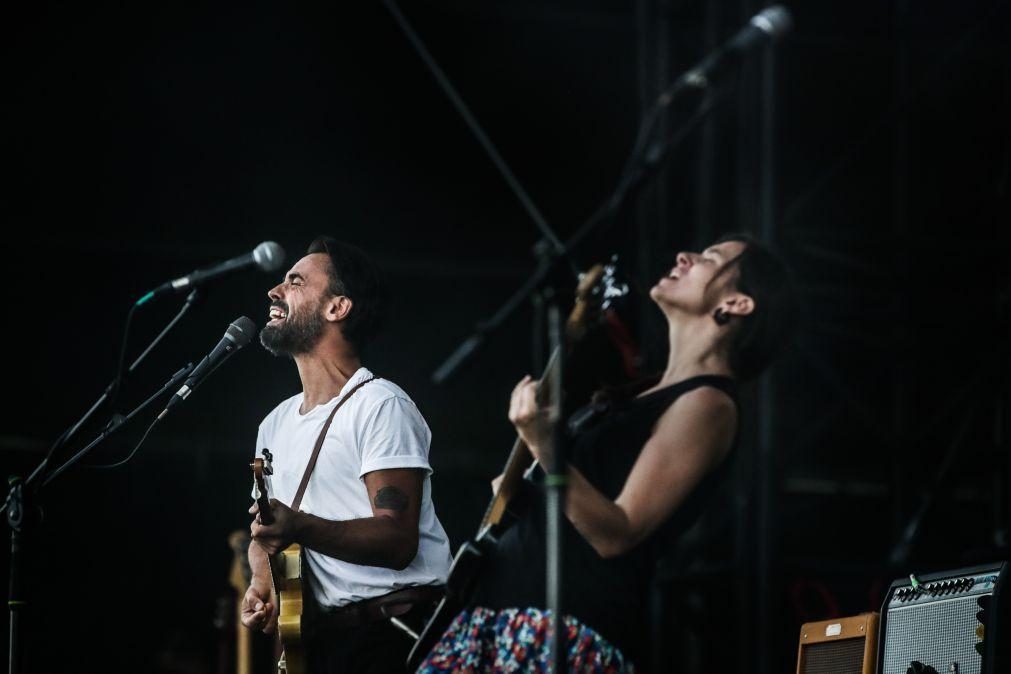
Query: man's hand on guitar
{"x": 259, "y": 609}
{"x": 277, "y": 536}
{"x": 530, "y": 419}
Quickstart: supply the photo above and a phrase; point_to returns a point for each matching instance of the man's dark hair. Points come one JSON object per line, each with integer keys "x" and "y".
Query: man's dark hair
{"x": 761, "y": 335}
{"x": 354, "y": 274}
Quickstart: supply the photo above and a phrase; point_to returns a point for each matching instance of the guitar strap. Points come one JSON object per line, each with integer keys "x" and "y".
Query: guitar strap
{"x": 319, "y": 444}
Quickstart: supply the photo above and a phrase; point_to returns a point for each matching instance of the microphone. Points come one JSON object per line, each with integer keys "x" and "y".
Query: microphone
{"x": 767, "y": 26}
{"x": 268, "y": 256}
{"x": 238, "y": 334}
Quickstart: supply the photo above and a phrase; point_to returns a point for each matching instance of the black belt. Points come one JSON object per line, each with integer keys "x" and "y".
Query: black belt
{"x": 372, "y": 610}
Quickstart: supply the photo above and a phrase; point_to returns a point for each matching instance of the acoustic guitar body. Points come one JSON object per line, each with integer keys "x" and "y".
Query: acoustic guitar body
{"x": 290, "y": 606}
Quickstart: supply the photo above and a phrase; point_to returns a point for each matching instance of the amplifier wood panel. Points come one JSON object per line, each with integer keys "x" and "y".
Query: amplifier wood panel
{"x": 840, "y": 646}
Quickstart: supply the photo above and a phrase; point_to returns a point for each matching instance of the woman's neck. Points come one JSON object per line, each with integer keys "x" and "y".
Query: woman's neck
{"x": 695, "y": 349}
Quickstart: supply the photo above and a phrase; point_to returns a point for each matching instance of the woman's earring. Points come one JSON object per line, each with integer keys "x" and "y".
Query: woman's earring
{"x": 721, "y": 317}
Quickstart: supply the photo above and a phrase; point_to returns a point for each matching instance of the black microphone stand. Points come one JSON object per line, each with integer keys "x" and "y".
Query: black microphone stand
{"x": 21, "y": 505}
{"x": 545, "y": 280}
{"x": 641, "y": 166}
{"x": 556, "y": 482}
{"x": 20, "y": 509}
{"x": 193, "y": 298}
{"x": 114, "y": 426}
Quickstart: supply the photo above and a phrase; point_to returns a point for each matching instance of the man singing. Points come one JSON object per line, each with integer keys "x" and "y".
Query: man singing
{"x": 372, "y": 543}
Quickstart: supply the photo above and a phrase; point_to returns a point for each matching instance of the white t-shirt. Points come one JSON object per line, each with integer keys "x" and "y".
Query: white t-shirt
{"x": 378, "y": 428}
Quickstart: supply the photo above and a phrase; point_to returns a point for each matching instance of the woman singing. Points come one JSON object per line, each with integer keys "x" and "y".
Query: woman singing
{"x": 638, "y": 477}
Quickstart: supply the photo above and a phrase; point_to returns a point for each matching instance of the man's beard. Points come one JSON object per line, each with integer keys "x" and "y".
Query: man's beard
{"x": 295, "y": 335}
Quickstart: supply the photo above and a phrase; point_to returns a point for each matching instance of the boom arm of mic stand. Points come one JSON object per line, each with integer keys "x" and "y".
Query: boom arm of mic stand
{"x": 484, "y": 328}
{"x": 638, "y": 170}
{"x": 191, "y": 299}
{"x": 171, "y": 383}
{"x": 457, "y": 358}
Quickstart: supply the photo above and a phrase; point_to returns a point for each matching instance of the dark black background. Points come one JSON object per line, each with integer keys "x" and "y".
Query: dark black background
{"x": 144, "y": 141}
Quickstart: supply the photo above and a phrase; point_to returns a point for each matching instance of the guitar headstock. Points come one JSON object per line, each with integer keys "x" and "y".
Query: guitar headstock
{"x": 262, "y": 470}
{"x": 598, "y": 289}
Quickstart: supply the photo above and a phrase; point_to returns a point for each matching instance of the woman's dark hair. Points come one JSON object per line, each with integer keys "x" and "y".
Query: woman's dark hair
{"x": 354, "y": 274}
{"x": 761, "y": 335}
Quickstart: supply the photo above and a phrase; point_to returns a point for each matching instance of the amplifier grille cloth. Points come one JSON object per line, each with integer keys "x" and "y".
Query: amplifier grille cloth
{"x": 936, "y": 634}
{"x": 835, "y": 657}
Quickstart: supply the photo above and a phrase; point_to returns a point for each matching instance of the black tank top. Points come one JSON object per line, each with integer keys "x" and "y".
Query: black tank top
{"x": 608, "y": 595}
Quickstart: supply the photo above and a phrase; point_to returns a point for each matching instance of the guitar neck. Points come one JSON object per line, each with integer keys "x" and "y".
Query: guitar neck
{"x": 263, "y": 501}
{"x": 266, "y": 516}
{"x": 520, "y": 458}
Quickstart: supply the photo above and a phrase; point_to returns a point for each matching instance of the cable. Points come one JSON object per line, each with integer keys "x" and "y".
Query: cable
{"x": 176, "y": 378}
{"x": 191, "y": 299}
{"x": 120, "y": 364}
{"x": 117, "y": 464}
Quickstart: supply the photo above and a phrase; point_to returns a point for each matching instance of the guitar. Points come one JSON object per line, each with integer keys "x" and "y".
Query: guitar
{"x": 597, "y": 290}
{"x": 239, "y": 576}
{"x": 285, "y": 577}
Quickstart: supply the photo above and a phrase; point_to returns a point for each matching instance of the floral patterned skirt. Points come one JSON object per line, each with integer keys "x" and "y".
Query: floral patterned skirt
{"x": 515, "y": 640}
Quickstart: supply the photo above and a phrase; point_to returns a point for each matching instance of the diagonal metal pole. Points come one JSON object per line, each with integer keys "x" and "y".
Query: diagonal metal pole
{"x": 637, "y": 174}
{"x": 475, "y": 127}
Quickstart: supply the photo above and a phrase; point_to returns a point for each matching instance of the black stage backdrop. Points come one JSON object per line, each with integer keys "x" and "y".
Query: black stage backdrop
{"x": 142, "y": 141}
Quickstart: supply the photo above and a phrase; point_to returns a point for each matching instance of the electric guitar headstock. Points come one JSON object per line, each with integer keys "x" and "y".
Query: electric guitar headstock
{"x": 599, "y": 288}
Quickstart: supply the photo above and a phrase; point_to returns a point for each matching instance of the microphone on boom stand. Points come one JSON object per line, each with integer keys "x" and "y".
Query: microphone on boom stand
{"x": 268, "y": 256}
{"x": 766, "y": 27}
{"x": 238, "y": 334}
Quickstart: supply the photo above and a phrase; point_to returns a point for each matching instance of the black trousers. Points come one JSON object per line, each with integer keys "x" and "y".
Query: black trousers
{"x": 375, "y": 648}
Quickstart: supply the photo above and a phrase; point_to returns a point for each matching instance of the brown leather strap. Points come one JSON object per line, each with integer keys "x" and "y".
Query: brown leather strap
{"x": 319, "y": 444}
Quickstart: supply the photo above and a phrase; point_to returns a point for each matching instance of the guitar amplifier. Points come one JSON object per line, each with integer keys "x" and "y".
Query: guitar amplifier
{"x": 954, "y": 622}
{"x": 841, "y": 646}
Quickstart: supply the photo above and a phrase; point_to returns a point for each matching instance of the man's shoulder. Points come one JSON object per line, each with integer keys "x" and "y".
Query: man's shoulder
{"x": 383, "y": 394}
{"x": 380, "y": 390}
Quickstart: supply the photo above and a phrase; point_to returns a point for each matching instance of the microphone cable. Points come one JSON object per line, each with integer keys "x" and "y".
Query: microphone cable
{"x": 121, "y": 462}
{"x": 116, "y": 425}
{"x": 64, "y": 438}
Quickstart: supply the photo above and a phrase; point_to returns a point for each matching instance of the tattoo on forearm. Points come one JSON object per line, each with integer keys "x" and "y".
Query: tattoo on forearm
{"x": 391, "y": 498}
